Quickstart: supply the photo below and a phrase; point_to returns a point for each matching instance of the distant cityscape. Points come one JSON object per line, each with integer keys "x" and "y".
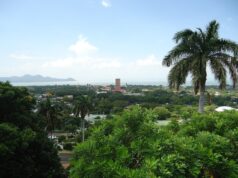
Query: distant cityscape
{"x": 39, "y": 80}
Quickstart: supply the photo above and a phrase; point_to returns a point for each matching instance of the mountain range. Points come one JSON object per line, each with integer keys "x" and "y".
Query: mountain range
{"x": 34, "y": 78}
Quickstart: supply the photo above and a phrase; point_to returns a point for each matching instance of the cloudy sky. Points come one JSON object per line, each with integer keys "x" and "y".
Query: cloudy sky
{"x": 96, "y": 41}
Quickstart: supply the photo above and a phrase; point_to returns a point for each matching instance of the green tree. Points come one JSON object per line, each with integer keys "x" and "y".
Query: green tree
{"x": 16, "y": 106}
{"x": 25, "y": 150}
{"x": 132, "y": 145}
{"x": 82, "y": 107}
{"x": 104, "y": 106}
{"x": 116, "y": 148}
{"x": 194, "y": 52}
{"x": 162, "y": 113}
{"x": 51, "y": 113}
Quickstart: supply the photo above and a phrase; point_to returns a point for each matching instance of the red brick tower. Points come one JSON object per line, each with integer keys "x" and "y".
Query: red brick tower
{"x": 118, "y": 85}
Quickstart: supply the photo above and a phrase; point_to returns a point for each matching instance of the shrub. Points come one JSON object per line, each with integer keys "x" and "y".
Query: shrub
{"x": 132, "y": 145}
{"x": 162, "y": 113}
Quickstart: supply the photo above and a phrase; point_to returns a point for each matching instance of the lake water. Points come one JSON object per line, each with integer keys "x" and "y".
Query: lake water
{"x": 100, "y": 83}
{"x": 81, "y": 83}
{"x": 45, "y": 83}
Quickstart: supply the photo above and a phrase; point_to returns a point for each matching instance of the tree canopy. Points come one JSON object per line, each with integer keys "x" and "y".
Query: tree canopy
{"x": 132, "y": 145}
{"x": 25, "y": 150}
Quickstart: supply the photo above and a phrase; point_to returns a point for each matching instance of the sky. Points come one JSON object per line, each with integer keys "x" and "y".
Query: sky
{"x": 97, "y": 41}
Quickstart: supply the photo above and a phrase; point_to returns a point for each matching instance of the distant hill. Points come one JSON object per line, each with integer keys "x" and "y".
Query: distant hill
{"x": 33, "y": 78}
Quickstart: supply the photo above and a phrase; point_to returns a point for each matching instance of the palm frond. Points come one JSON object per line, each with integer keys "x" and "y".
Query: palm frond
{"x": 182, "y": 35}
{"x": 179, "y": 52}
{"x": 230, "y": 64}
{"x": 202, "y": 35}
{"x": 178, "y": 74}
{"x": 82, "y": 106}
{"x": 219, "y": 71}
{"x": 224, "y": 45}
{"x": 212, "y": 30}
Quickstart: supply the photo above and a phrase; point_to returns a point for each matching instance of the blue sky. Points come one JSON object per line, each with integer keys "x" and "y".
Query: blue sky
{"x": 98, "y": 40}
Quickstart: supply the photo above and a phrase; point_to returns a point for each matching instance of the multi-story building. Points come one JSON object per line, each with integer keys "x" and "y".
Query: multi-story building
{"x": 118, "y": 87}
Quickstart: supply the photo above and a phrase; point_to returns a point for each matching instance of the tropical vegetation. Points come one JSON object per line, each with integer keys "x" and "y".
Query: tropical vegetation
{"x": 151, "y": 131}
{"x": 82, "y": 107}
{"x": 194, "y": 52}
{"x": 133, "y": 145}
{"x": 25, "y": 150}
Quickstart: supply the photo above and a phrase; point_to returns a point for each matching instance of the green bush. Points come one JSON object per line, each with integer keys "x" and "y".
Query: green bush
{"x": 162, "y": 113}
{"x": 132, "y": 145}
{"x": 25, "y": 150}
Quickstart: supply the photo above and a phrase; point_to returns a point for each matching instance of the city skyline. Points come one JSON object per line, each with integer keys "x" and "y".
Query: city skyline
{"x": 99, "y": 40}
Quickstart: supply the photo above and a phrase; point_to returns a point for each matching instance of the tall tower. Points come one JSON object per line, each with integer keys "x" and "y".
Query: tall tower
{"x": 117, "y": 84}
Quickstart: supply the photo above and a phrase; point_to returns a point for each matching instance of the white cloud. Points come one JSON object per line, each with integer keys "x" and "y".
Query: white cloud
{"x": 61, "y": 63}
{"x": 26, "y": 57}
{"x": 85, "y": 64}
{"x": 84, "y": 58}
{"x": 147, "y": 69}
{"x": 148, "y": 61}
{"x": 106, "y": 3}
{"x": 21, "y": 56}
{"x": 106, "y": 63}
{"x": 82, "y": 47}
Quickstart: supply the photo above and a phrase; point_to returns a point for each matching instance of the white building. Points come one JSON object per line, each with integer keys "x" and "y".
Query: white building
{"x": 224, "y": 108}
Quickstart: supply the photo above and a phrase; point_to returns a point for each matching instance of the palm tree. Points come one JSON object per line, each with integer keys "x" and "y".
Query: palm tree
{"x": 82, "y": 107}
{"x": 50, "y": 112}
{"x": 194, "y": 52}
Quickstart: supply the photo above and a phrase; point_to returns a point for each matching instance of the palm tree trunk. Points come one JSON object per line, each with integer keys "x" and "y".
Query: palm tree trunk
{"x": 83, "y": 124}
{"x": 51, "y": 128}
{"x": 48, "y": 127}
{"x": 82, "y": 128}
{"x": 201, "y": 101}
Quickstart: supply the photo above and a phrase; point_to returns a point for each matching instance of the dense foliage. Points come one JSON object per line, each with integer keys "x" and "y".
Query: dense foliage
{"x": 132, "y": 145}
{"x": 62, "y": 90}
{"x": 110, "y": 103}
{"x": 25, "y": 150}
